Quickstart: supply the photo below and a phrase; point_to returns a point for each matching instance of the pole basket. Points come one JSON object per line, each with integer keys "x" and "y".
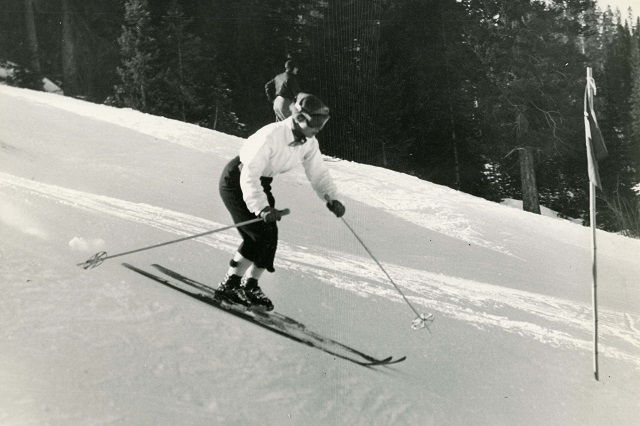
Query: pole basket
{"x": 422, "y": 321}
{"x": 94, "y": 261}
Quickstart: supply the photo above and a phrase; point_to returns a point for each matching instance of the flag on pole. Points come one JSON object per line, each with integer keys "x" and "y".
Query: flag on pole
{"x": 596, "y": 149}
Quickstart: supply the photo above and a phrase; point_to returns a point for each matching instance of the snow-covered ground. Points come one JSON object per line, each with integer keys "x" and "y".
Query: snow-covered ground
{"x": 511, "y": 292}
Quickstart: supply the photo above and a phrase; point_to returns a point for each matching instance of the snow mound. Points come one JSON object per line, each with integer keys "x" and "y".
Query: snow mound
{"x": 86, "y": 245}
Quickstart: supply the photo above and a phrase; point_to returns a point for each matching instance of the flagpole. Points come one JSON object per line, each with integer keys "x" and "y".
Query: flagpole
{"x": 594, "y": 269}
{"x": 594, "y": 264}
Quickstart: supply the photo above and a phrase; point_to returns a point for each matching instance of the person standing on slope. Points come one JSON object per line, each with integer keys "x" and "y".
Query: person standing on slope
{"x": 283, "y": 89}
{"x": 245, "y": 188}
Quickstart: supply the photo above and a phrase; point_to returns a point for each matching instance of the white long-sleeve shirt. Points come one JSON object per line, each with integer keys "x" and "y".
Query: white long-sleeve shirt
{"x": 268, "y": 153}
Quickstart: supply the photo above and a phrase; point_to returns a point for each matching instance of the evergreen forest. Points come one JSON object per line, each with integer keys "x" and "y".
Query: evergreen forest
{"x": 483, "y": 96}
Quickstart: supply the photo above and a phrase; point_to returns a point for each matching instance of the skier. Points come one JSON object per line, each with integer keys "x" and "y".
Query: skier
{"x": 245, "y": 188}
{"x": 283, "y": 89}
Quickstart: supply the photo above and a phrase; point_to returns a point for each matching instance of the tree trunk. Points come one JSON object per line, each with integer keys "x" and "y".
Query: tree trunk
{"x": 530, "y": 200}
{"x": 456, "y": 157}
{"x": 215, "y": 117}
{"x": 384, "y": 154}
{"x": 32, "y": 39}
{"x": 69, "y": 57}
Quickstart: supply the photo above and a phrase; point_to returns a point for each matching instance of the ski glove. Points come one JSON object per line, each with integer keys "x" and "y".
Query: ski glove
{"x": 270, "y": 214}
{"x": 336, "y": 208}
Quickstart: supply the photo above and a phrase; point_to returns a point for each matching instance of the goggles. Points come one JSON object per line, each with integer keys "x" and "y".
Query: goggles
{"x": 316, "y": 121}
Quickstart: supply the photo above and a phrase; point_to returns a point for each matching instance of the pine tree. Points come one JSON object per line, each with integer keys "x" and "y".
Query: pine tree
{"x": 530, "y": 94}
{"x": 634, "y": 222}
{"x": 635, "y": 94}
{"x": 343, "y": 63}
{"x": 249, "y": 42}
{"x": 138, "y": 49}
{"x": 616, "y": 92}
{"x": 189, "y": 85}
{"x": 616, "y": 88}
{"x": 176, "y": 93}
{"x": 88, "y": 52}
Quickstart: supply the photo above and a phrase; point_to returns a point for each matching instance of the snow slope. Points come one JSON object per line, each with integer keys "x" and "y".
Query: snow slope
{"x": 511, "y": 292}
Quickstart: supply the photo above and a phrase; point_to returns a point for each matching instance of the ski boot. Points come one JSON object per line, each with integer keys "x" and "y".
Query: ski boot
{"x": 230, "y": 290}
{"x": 254, "y": 295}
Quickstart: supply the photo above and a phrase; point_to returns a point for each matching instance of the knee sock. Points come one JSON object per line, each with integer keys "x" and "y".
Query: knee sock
{"x": 254, "y": 272}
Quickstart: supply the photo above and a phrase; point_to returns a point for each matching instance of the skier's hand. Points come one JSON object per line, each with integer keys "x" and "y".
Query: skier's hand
{"x": 336, "y": 208}
{"x": 270, "y": 214}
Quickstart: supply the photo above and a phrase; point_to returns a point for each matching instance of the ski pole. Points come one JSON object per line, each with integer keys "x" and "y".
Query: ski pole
{"x": 422, "y": 320}
{"x": 98, "y": 258}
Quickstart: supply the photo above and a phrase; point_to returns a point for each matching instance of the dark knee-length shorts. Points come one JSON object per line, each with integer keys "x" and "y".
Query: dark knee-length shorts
{"x": 260, "y": 239}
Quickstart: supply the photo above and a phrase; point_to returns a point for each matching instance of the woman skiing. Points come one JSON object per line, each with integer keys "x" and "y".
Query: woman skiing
{"x": 245, "y": 188}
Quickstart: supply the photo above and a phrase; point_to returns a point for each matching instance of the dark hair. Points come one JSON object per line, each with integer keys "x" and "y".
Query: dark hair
{"x": 311, "y": 104}
{"x": 290, "y": 65}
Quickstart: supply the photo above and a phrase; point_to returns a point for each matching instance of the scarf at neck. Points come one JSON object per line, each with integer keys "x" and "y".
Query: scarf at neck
{"x": 300, "y": 138}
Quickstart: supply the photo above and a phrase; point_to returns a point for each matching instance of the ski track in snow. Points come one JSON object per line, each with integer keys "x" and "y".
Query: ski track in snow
{"x": 407, "y": 206}
{"x": 567, "y": 324}
{"x": 428, "y": 210}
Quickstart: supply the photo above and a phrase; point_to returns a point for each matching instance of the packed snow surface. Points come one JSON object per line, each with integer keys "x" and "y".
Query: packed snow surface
{"x": 512, "y": 342}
